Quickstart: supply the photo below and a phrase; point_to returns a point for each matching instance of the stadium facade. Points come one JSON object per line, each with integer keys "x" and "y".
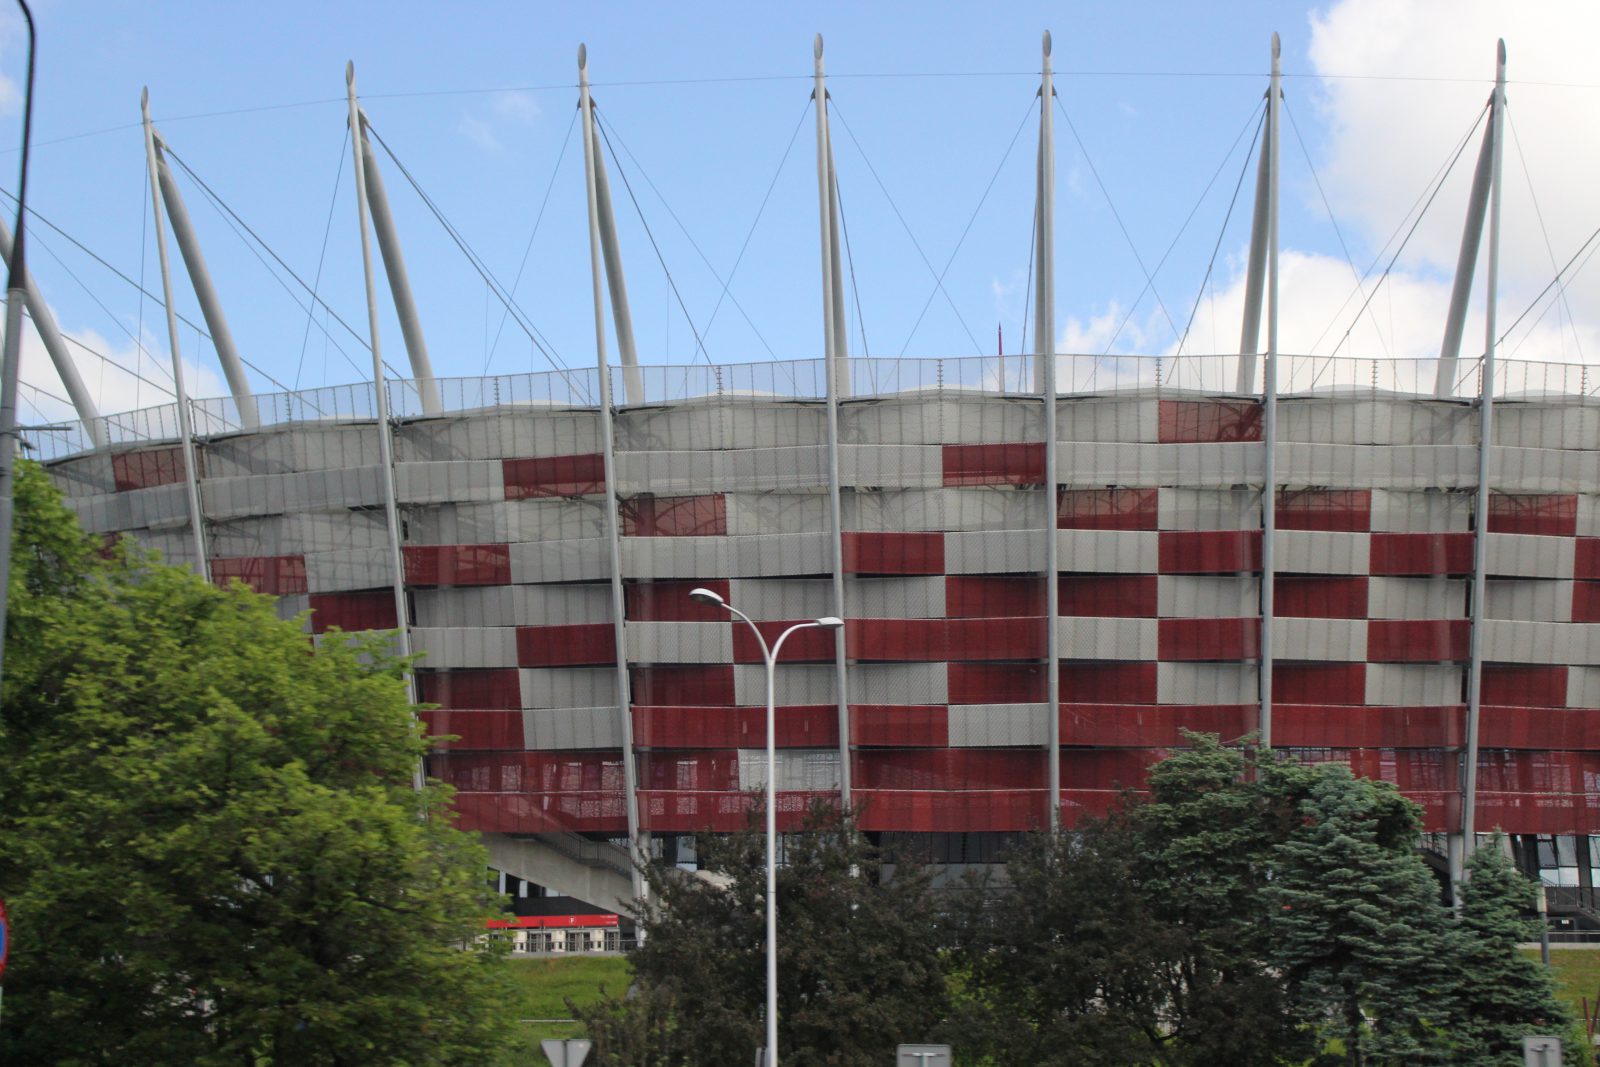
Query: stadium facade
{"x": 1048, "y": 566}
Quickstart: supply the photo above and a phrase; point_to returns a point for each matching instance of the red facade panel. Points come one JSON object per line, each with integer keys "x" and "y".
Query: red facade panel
{"x": 1209, "y": 639}
{"x": 669, "y": 601}
{"x": 951, "y": 812}
{"x": 274, "y": 575}
{"x": 370, "y": 610}
{"x": 1151, "y": 726}
{"x": 1127, "y": 596}
{"x": 1524, "y": 687}
{"x": 1017, "y": 463}
{"x": 495, "y": 688}
{"x": 1313, "y": 596}
{"x": 1585, "y": 601}
{"x": 575, "y": 475}
{"x": 898, "y": 640}
{"x": 600, "y": 811}
{"x": 1574, "y": 729}
{"x": 1319, "y": 683}
{"x": 474, "y": 730}
{"x": 149, "y": 467}
{"x": 900, "y": 725}
{"x": 1108, "y": 769}
{"x": 968, "y": 596}
{"x": 1587, "y": 561}
{"x": 674, "y": 516}
{"x": 1107, "y": 509}
{"x": 952, "y": 769}
{"x": 996, "y": 683}
{"x": 991, "y": 639}
{"x": 577, "y": 645}
{"x": 1401, "y": 554}
{"x": 698, "y": 771}
{"x": 815, "y": 645}
{"x": 684, "y": 811}
{"x": 1551, "y": 514}
{"x": 1338, "y": 726}
{"x": 1417, "y": 641}
{"x": 682, "y": 686}
{"x": 1209, "y": 551}
{"x": 1107, "y": 682}
{"x": 893, "y": 553}
{"x": 1346, "y": 510}
{"x": 446, "y": 565}
{"x": 1185, "y": 422}
{"x": 799, "y": 726}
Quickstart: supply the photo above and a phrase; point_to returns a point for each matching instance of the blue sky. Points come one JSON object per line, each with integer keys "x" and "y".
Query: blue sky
{"x": 702, "y": 101}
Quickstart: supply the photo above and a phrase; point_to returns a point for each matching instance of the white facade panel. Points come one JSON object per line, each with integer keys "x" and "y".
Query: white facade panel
{"x": 919, "y": 597}
{"x": 965, "y": 509}
{"x": 1414, "y": 684}
{"x": 1199, "y": 596}
{"x": 1217, "y": 465}
{"x": 1107, "y": 638}
{"x": 87, "y": 475}
{"x": 502, "y": 522}
{"x": 750, "y": 514}
{"x": 999, "y": 552}
{"x": 449, "y": 481}
{"x": 772, "y": 555}
{"x": 1540, "y": 470}
{"x": 577, "y": 560}
{"x": 1096, "y": 464}
{"x": 1420, "y": 511}
{"x": 898, "y": 465}
{"x": 1531, "y": 556}
{"x": 712, "y": 425}
{"x": 162, "y": 506}
{"x": 680, "y": 642}
{"x": 1588, "y": 514}
{"x": 1417, "y": 598}
{"x": 346, "y": 570}
{"x": 1536, "y": 425}
{"x": 800, "y": 770}
{"x": 1529, "y": 601}
{"x": 568, "y": 687}
{"x": 1105, "y": 551}
{"x": 500, "y": 434}
{"x": 567, "y": 729}
{"x": 1208, "y": 509}
{"x": 1206, "y": 683}
{"x": 994, "y": 725}
{"x": 782, "y": 598}
{"x": 1333, "y": 640}
{"x": 465, "y": 647}
{"x": 1510, "y": 641}
{"x": 793, "y": 683}
{"x": 1110, "y": 419}
{"x": 1323, "y": 552}
{"x": 512, "y": 605}
{"x": 1583, "y": 687}
{"x": 922, "y": 420}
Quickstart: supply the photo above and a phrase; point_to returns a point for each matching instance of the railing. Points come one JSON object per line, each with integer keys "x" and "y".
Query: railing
{"x": 867, "y": 377}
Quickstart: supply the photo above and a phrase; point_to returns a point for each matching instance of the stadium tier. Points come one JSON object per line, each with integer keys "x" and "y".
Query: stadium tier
{"x": 723, "y": 480}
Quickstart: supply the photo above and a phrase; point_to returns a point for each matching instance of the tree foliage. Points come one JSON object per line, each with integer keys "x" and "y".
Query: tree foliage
{"x": 858, "y": 957}
{"x": 213, "y": 851}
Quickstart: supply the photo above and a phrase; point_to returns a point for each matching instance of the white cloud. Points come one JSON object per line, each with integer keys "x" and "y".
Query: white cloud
{"x": 484, "y": 128}
{"x": 516, "y": 106}
{"x": 114, "y": 387}
{"x": 480, "y": 133}
{"x": 1411, "y": 77}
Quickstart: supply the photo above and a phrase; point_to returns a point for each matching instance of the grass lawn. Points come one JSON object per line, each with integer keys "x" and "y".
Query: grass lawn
{"x": 544, "y": 983}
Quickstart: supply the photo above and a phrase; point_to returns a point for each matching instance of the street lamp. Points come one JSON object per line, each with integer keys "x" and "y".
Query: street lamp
{"x": 770, "y": 656}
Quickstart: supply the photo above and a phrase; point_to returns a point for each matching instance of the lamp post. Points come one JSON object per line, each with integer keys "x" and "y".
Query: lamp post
{"x": 770, "y": 656}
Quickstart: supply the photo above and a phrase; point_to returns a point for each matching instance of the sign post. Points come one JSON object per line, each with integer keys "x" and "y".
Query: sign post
{"x": 568, "y": 1052}
{"x": 5, "y": 944}
{"x": 922, "y": 1056}
{"x": 1541, "y": 1051}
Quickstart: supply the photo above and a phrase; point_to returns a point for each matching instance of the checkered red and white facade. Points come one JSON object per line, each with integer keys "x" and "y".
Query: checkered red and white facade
{"x": 1158, "y": 520}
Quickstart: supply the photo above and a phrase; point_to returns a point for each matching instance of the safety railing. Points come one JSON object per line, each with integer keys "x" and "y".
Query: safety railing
{"x": 867, "y": 377}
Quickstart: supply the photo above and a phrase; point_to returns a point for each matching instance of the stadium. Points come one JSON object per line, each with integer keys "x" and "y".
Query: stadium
{"x": 1048, "y": 567}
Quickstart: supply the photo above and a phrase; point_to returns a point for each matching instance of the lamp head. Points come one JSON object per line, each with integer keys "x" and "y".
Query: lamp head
{"x": 829, "y": 622}
{"x": 706, "y": 596}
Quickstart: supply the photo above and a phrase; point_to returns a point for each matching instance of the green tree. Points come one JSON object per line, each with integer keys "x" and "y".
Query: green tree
{"x": 1504, "y": 994}
{"x": 1207, "y": 836}
{"x": 1063, "y": 963}
{"x": 859, "y": 968}
{"x": 213, "y": 853}
{"x": 1369, "y": 953}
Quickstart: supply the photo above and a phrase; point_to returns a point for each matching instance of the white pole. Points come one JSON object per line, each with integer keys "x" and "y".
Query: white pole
{"x": 1480, "y": 508}
{"x": 180, "y": 395}
{"x": 1045, "y": 341}
{"x": 1269, "y": 406}
{"x": 391, "y": 509}
{"x": 630, "y": 772}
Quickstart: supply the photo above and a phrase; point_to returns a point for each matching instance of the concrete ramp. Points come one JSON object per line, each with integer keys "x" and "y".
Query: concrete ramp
{"x": 566, "y": 864}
